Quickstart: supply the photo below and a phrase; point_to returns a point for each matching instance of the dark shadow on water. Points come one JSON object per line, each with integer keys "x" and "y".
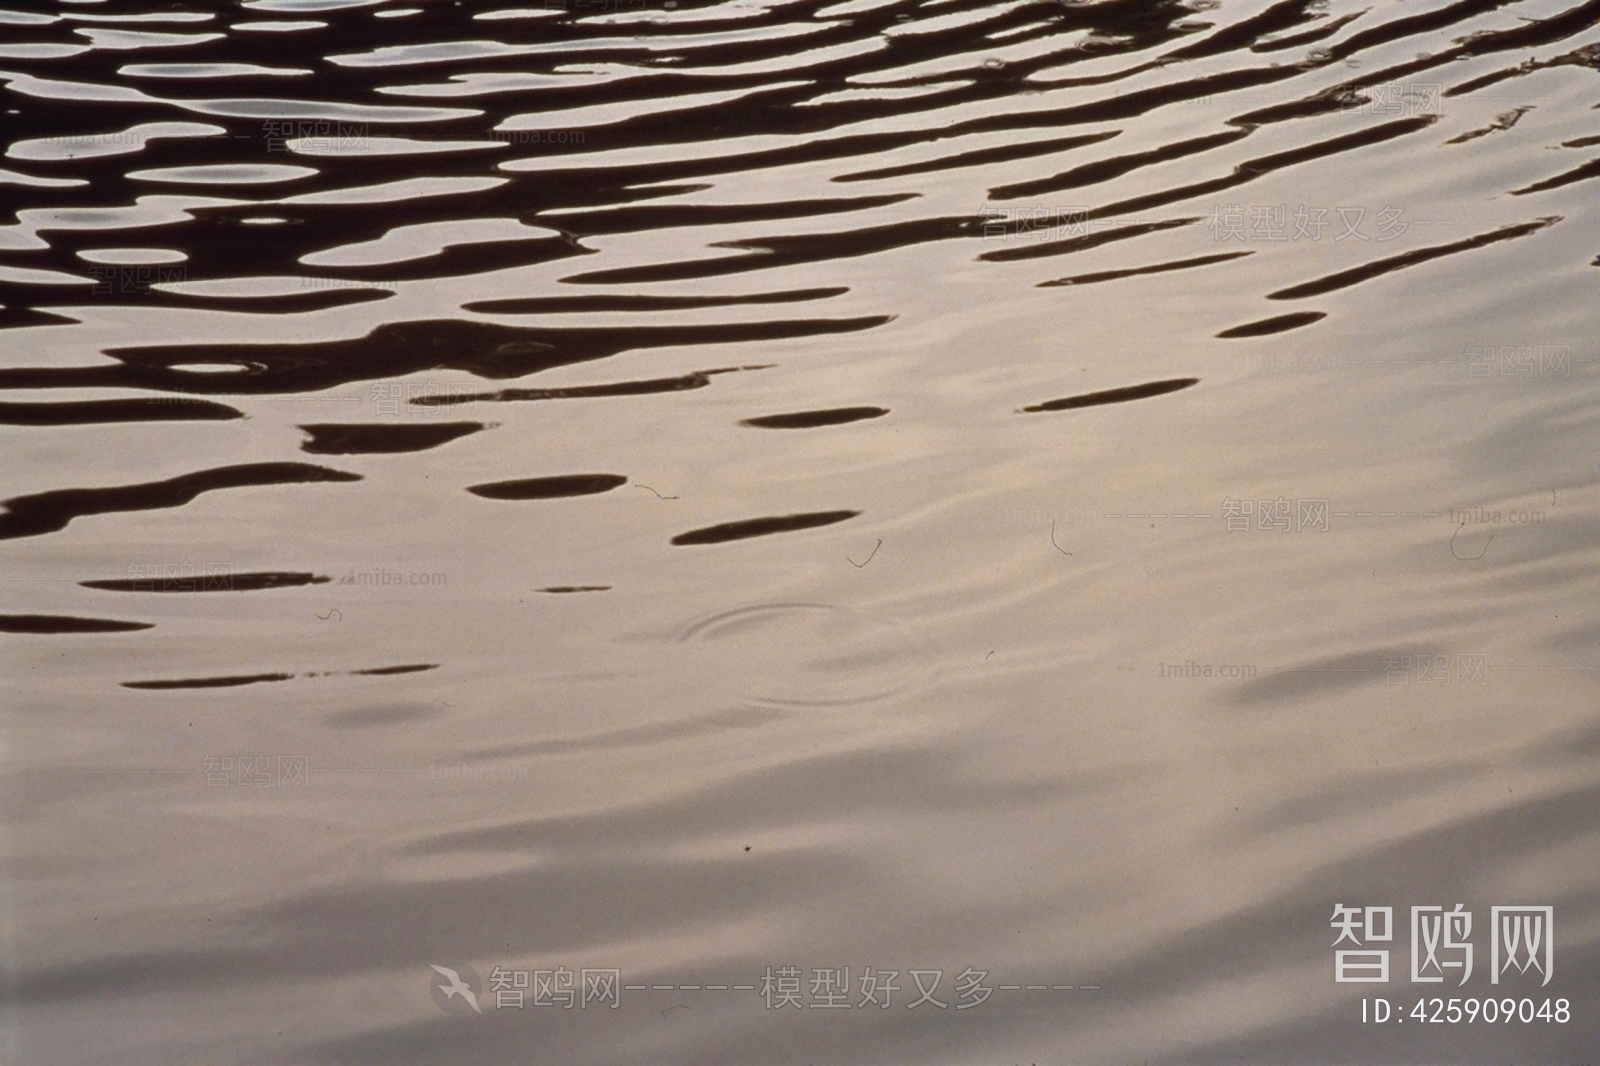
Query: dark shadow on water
{"x": 101, "y": 412}
{"x": 47, "y": 512}
{"x": 549, "y": 488}
{"x": 1280, "y": 324}
{"x": 696, "y": 380}
{"x": 982, "y": 156}
{"x": 1133, "y": 272}
{"x": 251, "y": 679}
{"x": 1320, "y": 677}
{"x": 837, "y": 416}
{"x": 375, "y": 438}
{"x": 556, "y": 305}
{"x": 1123, "y": 395}
{"x": 207, "y": 682}
{"x": 15, "y": 314}
{"x": 219, "y": 582}
{"x": 396, "y": 349}
{"x": 761, "y": 527}
{"x": 1584, "y": 172}
{"x": 1116, "y": 166}
{"x": 1085, "y": 241}
{"x": 1377, "y": 268}
{"x": 62, "y": 623}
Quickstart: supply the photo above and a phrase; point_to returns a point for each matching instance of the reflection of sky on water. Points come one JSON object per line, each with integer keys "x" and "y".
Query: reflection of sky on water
{"x": 1068, "y": 493}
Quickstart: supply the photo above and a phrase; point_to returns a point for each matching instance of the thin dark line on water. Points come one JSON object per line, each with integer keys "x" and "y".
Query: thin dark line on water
{"x": 1468, "y": 558}
{"x": 658, "y": 495}
{"x": 218, "y": 582}
{"x": 1131, "y": 272}
{"x": 251, "y": 679}
{"x": 1058, "y": 547}
{"x": 875, "y": 548}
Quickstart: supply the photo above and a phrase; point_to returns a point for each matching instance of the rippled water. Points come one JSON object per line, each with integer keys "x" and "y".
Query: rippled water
{"x": 664, "y": 511}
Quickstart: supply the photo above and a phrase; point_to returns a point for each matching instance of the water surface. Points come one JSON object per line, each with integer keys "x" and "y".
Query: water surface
{"x": 866, "y": 532}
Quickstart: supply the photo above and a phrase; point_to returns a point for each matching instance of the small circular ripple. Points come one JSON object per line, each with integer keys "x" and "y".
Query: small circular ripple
{"x": 805, "y": 654}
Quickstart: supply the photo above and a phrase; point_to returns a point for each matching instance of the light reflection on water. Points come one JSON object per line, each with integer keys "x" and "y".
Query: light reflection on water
{"x": 1048, "y": 500}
